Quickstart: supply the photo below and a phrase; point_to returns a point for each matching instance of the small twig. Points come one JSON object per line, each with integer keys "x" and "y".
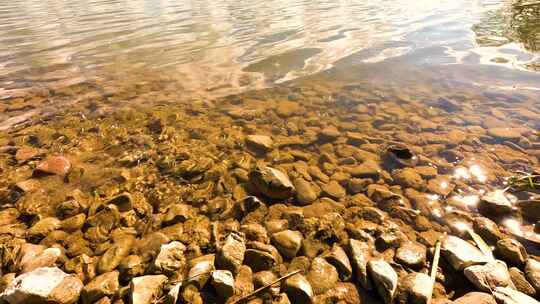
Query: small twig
{"x": 256, "y": 291}
{"x": 436, "y": 257}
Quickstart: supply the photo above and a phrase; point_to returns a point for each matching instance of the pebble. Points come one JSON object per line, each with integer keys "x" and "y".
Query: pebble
{"x": 45, "y": 285}
{"x": 231, "y": 254}
{"x": 476, "y": 298}
{"x": 114, "y": 255}
{"x": 334, "y": 190}
{"x": 504, "y": 133}
{"x": 411, "y": 255}
{"x": 461, "y": 254}
{"x": 417, "y": 288}
{"x": 287, "y": 242}
{"x": 260, "y": 142}
{"x": 57, "y": 165}
{"x": 322, "y": 275}
{"x": 272, "y": 183}
{"x": 305, "y": 192}
{"x": 385, "y": 279}
{"x": 488, "y": 276}
{"x": 223, "y": 282}
{"x": 265, "y": 278}
{"x": 200, "y": 270}
{"x": 104, "y": 285}
{"x": 521, "y": 283}
{"x": 532, "y": 273}
{"x": 505, "y": 295}
{"x": 408, "y": 177}
{"x": 512, "y": 252}
{"x": 360, "y": 253}
{"x": 367, "y": 169}
{"x": 496, "y": 203}
{"x": 298, "y": 289}
{"x": 146, "y": 289}
{"x": 338, "y": 257}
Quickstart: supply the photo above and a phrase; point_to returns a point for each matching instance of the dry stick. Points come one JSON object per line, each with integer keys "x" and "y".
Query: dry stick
{"x": 256, "y": 291}
{"x": 434, "y": 267}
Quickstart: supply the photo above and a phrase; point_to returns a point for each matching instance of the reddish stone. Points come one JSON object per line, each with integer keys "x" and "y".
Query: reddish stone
{"x": 58, "y": 165}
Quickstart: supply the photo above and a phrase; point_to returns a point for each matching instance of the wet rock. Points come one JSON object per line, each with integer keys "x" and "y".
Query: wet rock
{"x": 57, "y": 165}
{"x": 104, "y": 285}
{"x": 305, "y": 192}
{"x": 322, "y": 275}
{"x": 521, "y": 283}
{"x": 360, "y": 253}
{"x": 343, "y": 293}
{"x": 487, "y": 229}
{"x": 505, "y": 295}
{"x": 334, "y": 190}
{"x": 488, "y": 276}
{"x": 223, "y": 282}
{"x": 259, "y": 142}
{"x": 408, "y": 178}
{"x": 231, "y": 254}
{"x": 416, "y": 288}
{"x": 83, "y": 266}
{"x": 367, "y": 169}
{"x": 243, "y": 282}
{"x": 440, "y": 185}
{"x": 31, "y": 257}
{"x": 411, "y": 255}
{"x": 132, "y": 266}
{"x": 146, "y": 289}
{"x": 25, "y": 154}
{"x": 74, "y": 223}
{"x": 298, "y": 289}
{"x": 512, "y": 252}
{"x": 43, "y": 227}
{"x": 401, "y": 155}
{"x": 496, "y": 203}
{"x": 123, "y": 201}
{"x": 272, "y": 183}
{"x": 114, "y": 255}
{"x": 5, "y": 280}
{"x": 255, "y": 232}
{"x": 200, "y": 270}
{"x": 288, "y": 242}
{"x": 340, "y": 260}
{"x": 504, "y": 133}
{"x": 385, "y": 279}
{"x": 460, "y": 253}
{"x": 46, "y": 285}
{"x": 476, "y": 298}
{"x": 171, "y": 258}
{"x": 532, "y": 272}
{"x": 176, "y": 213}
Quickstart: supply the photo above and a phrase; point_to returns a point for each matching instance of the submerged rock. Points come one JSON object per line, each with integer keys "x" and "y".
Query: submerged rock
{"x": 259, "y": 142}
{"x": 272, "y": 183}
{"x": 496, "y": 203}
{"x": 46, "y": 285}
{"x": 57, "y": 165}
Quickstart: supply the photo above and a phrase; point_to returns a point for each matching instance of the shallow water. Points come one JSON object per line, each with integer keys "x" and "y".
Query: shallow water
{"x": 157, "y": 98}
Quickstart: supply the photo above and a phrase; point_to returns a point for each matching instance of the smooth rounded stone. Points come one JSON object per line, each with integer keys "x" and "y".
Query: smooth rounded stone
{"x": 104, "y": 285}
{"x": 408, "y": 178}
{"x": 461, "y": 254}
{"x": 74, "y": 223}
{"x": 255, "y": 232}
{"x": 114, "y": 255}
{"x": 495, "y": 203}
{"x": 57, "y": 165}
{"x": 243, "y": 282}
{"x": 46, "y": 258}
{"x": 200, "y": 270}
{"x": 338, "y": 257}
{"x": 171, "y": 258}
{"x": 24, "y": 154}
{"x": 476, "y": 298}
{"x": 343, "y": 293}
{"x": 287, "y": 242}
{"x": 43, "y": 227}
{"x": 264, "y": 278}
{"x": 505, "y": 295}
{"x": 329, "y": 133}
{"x": 360, "y": 253}
{"x": 305, "y": 192}
{"x": 259, "y": 142}
{"x": 416, "y": 288}
{"x": 223, "y": 282}
{"x": 385, "y": 279}
{"x": 272, "y": 183}
{"x": 441, "y": 185}
{"x": 367, "y": 169}
{"x": 334, "y": 190}
{"x": 521, "y": 283}
{"x": 504, "y": 133}
{"x": 322, "y": 275}
{"x": 532, "y": 272}
{"x": 287, "y": 108}
{"x": 231, "y": 254}
{"x": 488, "y": 276}
{"x": 146, "y": 289}
{"x": 46, "y": 285}
{"x": 411, "y": 255}
{"x": 298, "y": 289}
{"x": 512, "y": 252}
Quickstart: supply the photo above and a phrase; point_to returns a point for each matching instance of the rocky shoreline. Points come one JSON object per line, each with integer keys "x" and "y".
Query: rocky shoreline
{"x": 303, "y": 194}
